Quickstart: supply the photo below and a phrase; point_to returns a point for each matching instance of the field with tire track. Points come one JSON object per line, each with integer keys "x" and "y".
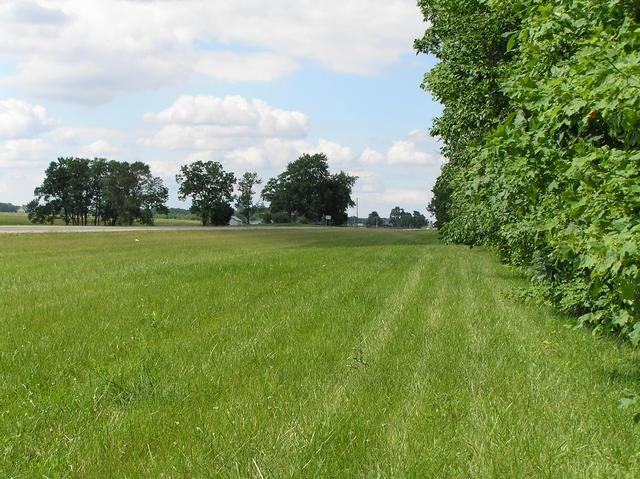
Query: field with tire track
{"x": 295, "y": 353}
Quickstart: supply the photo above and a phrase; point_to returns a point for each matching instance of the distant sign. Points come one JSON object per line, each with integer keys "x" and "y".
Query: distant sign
{"x": 328, "y": 217}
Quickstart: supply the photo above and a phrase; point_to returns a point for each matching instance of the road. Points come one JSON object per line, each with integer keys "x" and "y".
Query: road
{"x": 23, "y": 229}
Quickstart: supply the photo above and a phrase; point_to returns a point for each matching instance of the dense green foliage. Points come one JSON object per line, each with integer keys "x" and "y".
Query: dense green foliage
{"x": 8, "y": 208}
{"x": 399, "y": 218}
{"x": 374, "y": 219}
{"x": 108, "y": 192}
{"x": 309, "y": 192}
{"x": 542, "y": 130}
{"x": 210, "y": 188}
{"x": 306, "y": 353}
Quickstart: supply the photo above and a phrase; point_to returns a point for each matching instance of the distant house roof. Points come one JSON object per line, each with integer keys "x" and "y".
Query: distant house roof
{"x": 235, "y": 221}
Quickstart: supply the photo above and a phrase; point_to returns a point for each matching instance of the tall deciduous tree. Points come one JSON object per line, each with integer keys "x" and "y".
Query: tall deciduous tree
{"x": 210, "y": 189}
{"x": 374, "y": 219}
{"x": 245, "y": 200}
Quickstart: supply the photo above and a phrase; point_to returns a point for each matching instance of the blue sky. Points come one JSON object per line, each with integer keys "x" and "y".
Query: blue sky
{"x": 245, "y": 83}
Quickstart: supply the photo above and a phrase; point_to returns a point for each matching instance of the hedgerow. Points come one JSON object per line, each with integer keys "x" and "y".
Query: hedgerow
{"x": 548, "y": 173}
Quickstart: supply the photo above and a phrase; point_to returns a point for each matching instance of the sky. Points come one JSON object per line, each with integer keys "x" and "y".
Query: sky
{"x": 248, "y": 83}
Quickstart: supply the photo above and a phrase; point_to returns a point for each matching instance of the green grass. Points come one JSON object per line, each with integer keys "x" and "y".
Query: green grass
{"x": 11, "y": 219}
{"x": 160, "y": 221}
{"x": 16, "y": 219}
{"x": 295, "y": 353}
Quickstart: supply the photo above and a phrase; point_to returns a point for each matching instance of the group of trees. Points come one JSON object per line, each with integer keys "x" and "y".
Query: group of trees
{"x": 82, "y": 191}
{"x": 541, "y": 129}
{"x": 306, "y": 190}
{"x": 398, "y": 218}
{"x": 8, "y": 208}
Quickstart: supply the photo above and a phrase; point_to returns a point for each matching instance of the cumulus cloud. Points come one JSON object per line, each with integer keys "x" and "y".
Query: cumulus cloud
{"x": 405, "y": 152}
{"x": 417, "y": 149}
{"x": 23, "y": 152}
{"x": 213, "y": 123}
{"x": 232, "y": 66}
{"x": 19, "y": 119}
{"x": 371, "y": 157}
{"x": 97, "y": 149}
{"x": 88, "y": 52}
{"x": 13, "y": 181}
{"x": 405, "y": 196}
{"x": 27, "y": 12}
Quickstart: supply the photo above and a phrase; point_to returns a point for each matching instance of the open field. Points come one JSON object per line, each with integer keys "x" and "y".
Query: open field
{"x": 18, "y": 219}
{"x": 295, "y": 353}
{"x": 160, "y": 221}
{"x": 14, "y": 219}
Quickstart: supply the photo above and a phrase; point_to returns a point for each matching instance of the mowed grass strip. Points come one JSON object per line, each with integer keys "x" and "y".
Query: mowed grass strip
{"x": 295, "y": 353}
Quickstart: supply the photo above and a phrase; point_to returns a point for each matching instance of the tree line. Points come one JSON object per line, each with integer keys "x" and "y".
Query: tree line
{"x": 541, "y": 127}
{"x": 398, "y": 218}
{"x": 102, "y": 192}
{"x": 83, "y": 191}
{"x": 305, "y": 192}
{"x": 8, "y": 208}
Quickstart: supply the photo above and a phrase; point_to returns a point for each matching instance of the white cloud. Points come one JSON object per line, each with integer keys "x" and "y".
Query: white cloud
{"x": 371, "y": 157}
{"x": 403, "y": 196}
{"x": 88, "y": 51}
{"x": 73, "y": 134}
{"x": 251, "y": 158}
{"x": 19, "y": 119}
{"x": 17, "y": 185}
{"x": 418, "y": 149}
{"x": 23, "y": 152}
{"x": 27, "y": 12}
{"x": 97, "y": 149}
{"x": 164, "y": 169}
{"x": 258, "y": 67}
{"x": 405, "y": 152}
{"x": 337, "y": 154}
{"x": 213, "y": 123}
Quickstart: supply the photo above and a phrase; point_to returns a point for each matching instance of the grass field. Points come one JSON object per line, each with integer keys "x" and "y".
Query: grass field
{"x": 17, "y": 219}
{"x": 295, "y": 353}
{"x": 160, "y": 221}
{"x": 14, "y": 219}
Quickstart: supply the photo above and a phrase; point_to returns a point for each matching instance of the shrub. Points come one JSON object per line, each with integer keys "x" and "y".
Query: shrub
{"x": 554, "y": 183}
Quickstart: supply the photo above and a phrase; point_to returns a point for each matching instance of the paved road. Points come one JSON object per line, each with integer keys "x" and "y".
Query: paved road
{"x": 124, "y": 229}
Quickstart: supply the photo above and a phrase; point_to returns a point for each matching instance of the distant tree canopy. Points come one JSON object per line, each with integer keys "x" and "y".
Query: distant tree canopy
{"x": 399, "y": 218}
{"x": 307, "y": 189}
{"x": 374, "y": 219}
{"x": 210, "y": 189}
{"x": 8, "y": 208}
{"x": 82, "y": 191}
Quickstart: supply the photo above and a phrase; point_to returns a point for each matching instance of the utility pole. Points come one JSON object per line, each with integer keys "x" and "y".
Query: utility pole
{"x": 357, "y": 215}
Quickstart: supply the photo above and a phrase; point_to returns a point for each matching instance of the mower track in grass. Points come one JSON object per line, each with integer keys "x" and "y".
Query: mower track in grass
{"x": 296, "y": 353}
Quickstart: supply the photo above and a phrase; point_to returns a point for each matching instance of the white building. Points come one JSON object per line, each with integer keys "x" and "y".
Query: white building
{"x": 235, "y": 221}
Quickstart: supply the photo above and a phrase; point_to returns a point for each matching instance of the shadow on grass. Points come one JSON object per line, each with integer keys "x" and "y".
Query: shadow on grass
{"x": 364, "y": 239}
